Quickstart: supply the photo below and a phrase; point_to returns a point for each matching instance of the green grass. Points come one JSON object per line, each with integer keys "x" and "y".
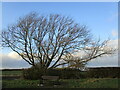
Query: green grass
{"x": 20, "y": 83}
{"x": 65, "y": 83}
{"x": 11, "y": 72}
{"x": 93, "y": 83}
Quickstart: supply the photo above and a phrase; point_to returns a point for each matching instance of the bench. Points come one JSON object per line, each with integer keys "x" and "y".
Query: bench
{"x": 50, "y": 79}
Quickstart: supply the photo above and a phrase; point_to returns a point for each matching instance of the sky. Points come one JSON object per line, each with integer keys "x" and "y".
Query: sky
{"x": 101, "y": 19}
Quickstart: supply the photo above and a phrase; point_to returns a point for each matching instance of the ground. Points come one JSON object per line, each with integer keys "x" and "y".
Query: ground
{"x": 64, "y": 83}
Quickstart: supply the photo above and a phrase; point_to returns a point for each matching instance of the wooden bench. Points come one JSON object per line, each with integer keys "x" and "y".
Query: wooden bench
{"x": 51, "y": 79}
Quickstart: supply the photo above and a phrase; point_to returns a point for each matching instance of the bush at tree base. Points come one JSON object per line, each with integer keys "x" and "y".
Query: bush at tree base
{"x": 32, "y": 73}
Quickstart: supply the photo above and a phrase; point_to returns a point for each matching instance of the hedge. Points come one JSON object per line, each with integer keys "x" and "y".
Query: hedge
{"x": 69, "y": 73}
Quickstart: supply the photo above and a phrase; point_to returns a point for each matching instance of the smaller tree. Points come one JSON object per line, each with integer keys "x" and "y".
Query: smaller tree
{"x": 89, "y": 52}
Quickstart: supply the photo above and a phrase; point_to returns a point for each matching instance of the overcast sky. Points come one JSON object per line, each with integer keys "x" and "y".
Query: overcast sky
{"x": 100, "y": 17}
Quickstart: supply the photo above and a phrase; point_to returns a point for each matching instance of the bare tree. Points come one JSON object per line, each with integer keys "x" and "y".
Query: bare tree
{"x": 43, "y": 40}
{"x": 91, "y": 51}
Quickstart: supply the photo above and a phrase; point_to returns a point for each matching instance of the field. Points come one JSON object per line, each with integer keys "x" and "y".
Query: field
{"x": 71, "y": 83}
{"x": 64, "y": 83}
{"x": 11, "y": 72}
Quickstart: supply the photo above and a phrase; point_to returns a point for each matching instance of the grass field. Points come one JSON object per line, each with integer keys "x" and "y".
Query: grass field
{"x": 71, "y": 83}
{"x": 64, "y": 83}
{"x": 11, "y": 73}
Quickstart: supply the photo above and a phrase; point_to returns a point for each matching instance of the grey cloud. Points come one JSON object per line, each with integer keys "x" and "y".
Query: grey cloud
{"x": 109, "y": 61}
{"x": 8, "y": 62}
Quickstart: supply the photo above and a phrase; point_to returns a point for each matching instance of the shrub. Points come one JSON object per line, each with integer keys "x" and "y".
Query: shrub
{"x": 32, "y": 73}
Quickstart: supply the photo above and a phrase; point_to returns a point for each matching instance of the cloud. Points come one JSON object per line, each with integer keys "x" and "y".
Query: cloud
{"x": 114, "y": 33}
{"x": 113, "y": 43}
{"x": 14, "y": 55}
{"x": 106, "y": 61}
{"x": 12, "y": 60}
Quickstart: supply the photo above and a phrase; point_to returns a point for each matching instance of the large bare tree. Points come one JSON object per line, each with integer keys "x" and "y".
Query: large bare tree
{"x": 43, "y": 40}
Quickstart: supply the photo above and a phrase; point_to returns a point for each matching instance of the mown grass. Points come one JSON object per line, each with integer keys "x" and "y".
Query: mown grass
{"x": 65, "y": 83}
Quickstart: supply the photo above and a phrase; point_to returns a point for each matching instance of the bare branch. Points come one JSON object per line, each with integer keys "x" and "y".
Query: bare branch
{"x": 42, "y": 39}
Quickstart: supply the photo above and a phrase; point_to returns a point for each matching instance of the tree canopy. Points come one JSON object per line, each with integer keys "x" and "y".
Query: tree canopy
{"x": 46, "y": 40}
